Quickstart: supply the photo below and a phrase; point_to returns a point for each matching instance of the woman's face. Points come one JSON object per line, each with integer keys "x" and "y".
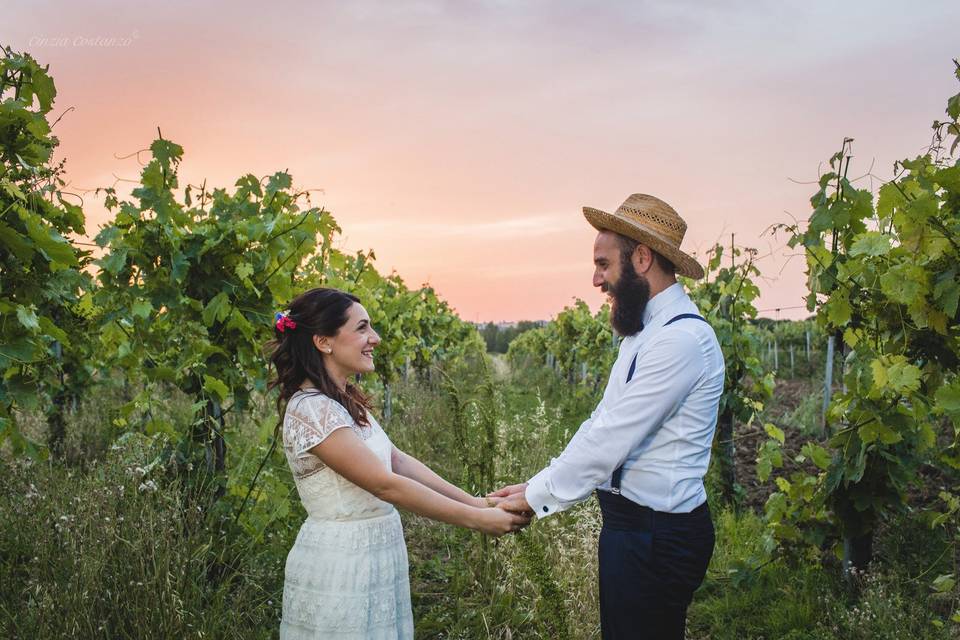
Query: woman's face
{"x": 351, "y": 350}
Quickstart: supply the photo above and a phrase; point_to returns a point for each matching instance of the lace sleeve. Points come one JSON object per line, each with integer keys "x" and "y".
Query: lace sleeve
{"x": 311, "y": 418}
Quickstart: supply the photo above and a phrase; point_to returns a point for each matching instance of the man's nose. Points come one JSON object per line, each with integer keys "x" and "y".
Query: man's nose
{"x": 597, "y": 279}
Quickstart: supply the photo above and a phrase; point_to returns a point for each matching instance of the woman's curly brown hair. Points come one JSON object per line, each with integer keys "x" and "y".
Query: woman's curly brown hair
{"x": 292, "y": 353}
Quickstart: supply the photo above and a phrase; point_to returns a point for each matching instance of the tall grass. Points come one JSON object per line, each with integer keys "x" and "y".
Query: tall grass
{"x": 113, "y": 552}
{"x": 105, "y": 544}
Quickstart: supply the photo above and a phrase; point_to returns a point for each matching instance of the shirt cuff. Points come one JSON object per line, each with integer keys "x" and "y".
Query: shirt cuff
{"x": 539, "y": 497}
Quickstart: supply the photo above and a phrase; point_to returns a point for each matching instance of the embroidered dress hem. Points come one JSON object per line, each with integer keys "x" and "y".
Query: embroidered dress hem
{"x": 348, "y": 580}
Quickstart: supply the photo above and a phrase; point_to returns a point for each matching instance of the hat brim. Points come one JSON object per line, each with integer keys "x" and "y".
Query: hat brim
{"x": 602, "y": 221}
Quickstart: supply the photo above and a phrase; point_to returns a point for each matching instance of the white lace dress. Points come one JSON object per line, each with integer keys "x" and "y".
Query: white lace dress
{"x": 346, "y": 575}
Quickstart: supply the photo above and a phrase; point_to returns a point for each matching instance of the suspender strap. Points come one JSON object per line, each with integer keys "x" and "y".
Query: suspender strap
{"x": 633, "y": 367}
{"x": 615, "y": 480}
{"x": 682, "y": 316}
{"x": 618, "y": 472}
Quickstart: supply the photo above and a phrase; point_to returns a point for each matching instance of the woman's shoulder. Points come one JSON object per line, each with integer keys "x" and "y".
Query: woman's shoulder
{"x": 313, "y": 403}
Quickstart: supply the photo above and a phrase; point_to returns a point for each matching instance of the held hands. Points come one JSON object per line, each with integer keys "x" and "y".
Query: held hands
{"x": 512, "y": 515}
{"x": 508, "y": 490}
{"x": 511, "y": 498}
{"x": 497, "y": 522}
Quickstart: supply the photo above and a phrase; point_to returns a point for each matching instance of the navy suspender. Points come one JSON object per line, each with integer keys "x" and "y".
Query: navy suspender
{"x": 618, "y": 472}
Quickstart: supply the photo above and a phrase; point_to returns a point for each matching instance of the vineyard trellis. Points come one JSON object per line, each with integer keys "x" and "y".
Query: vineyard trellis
{"x": 184, "y": 292}
{"x": 43, "y": 281}
{"x": 883, "y": 280}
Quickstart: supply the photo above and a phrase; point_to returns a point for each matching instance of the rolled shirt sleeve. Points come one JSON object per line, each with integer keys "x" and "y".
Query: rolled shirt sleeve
{"x": 664, "y": 375}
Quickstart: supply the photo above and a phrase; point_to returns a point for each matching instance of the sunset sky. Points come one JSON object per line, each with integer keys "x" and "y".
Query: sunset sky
{"x": 460, "y": 140}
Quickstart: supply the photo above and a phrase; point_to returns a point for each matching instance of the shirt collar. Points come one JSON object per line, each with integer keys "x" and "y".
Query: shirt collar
{"x": 662, "y": 301}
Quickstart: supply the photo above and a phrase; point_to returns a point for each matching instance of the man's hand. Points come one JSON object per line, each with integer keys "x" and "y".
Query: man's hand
{"x": 516, "y": 503}
{"x": 509, "y": 490}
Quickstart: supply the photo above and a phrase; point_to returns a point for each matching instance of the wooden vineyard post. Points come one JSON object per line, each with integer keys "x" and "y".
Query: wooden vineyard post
{"x": 827, "y": 382}
{"x": 56, "y": 421}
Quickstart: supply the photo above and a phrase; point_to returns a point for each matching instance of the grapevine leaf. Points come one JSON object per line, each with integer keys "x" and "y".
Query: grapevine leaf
{"x": 947, "y": 292}
{"x": 43, "y": 89}
{"x": 17, "y": 244}
{"x": 890, "y": 199}
{"x": 180, "y": 265}
{"x": 86, "y": 307}
{"x": 764, "y": 467}
{"x": 949, "y": 178}
{"x": 928, "y": 436}
{"x": 851, "y": 337}
{"x": 888, "y": 435}
{"x": 948, "y": 398}
{"x": 141, "y": 309}
{"x": 216, "y": 387}
{"x": 166, "y": 151}
{"x": 115, "y": 261}
{"x": 774, "y": 432}
{"x": 838, "y": 311}
{"x": 52, "y": 330}
{"x": 244, "y": 270}
{"x": 871, "y": 243}
{"x": 28, "y": 318}
{"x": 953, "y": 107}
{"x": 869, "y": 432}
{"x": 904, "y": 377}
{"x": 904, "y": 283}
{"x": 58, "y": 250}
{"x": 894, "y": 374}
{"x": 20, "y": 350}
{"x": 217, "y": 309}
{"x": 817, "y": 454}
{"x": 944, "y": 583}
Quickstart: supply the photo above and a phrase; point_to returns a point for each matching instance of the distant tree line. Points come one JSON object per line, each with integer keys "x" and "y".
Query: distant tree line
{"x": 499, "y": 337}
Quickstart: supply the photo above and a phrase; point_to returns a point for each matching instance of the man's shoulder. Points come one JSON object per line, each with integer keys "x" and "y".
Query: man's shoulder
{"x": 687, "y": 331}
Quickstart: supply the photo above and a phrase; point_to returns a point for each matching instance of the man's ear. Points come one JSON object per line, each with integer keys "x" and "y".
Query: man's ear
{"x": 321, "y": 343}
{"x": 642, "y": 259}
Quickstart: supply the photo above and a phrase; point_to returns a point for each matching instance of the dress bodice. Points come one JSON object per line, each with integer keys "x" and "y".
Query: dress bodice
{"x": 326, "y": 495}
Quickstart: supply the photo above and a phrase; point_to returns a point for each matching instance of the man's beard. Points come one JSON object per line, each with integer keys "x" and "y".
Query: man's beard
{"x": 630, "y": 297}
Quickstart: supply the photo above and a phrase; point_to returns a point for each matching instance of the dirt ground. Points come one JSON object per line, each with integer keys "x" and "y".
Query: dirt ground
{"x": 787, "y": 396}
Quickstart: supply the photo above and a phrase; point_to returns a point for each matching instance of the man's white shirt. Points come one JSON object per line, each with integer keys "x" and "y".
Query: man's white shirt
{"x": 659, "y": 425}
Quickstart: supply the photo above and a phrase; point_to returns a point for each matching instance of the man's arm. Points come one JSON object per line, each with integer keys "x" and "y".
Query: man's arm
{"x": 662, "y": 379}
{"x": 510, "y": 489}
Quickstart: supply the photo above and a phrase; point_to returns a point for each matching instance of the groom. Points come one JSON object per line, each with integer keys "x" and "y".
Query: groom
{"x": 646, "y": 446}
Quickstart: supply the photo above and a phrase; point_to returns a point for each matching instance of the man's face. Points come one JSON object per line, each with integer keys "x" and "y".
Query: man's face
{"x": 628, "y": 291}
{"x": 606, "y": 260}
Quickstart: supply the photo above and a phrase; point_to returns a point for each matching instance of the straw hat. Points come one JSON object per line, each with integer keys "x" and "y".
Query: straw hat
{"x": 652, "y": 222}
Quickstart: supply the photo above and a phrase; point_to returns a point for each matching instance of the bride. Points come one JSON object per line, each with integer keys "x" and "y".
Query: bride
{"x": 346, "y": 575}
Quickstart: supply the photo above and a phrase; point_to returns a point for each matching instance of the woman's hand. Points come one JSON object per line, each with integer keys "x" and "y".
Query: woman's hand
{"x": 482, "y": 502}
{"x": 497, "y": 522}
{"x": 508, "y": 491}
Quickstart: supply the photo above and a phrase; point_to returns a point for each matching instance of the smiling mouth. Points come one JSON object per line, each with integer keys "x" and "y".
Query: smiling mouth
{"x": 367, "y": 353}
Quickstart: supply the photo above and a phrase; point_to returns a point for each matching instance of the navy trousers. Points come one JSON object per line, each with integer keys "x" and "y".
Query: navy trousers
{"x": 650, "y": 564}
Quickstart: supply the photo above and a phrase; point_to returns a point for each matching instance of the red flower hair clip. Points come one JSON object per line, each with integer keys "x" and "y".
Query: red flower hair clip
{"x": 284, "y": 322}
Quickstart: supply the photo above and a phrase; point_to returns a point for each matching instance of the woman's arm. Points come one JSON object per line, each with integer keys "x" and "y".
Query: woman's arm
{"x": 346, "y": 454}
{"x": 408, "y": 466}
